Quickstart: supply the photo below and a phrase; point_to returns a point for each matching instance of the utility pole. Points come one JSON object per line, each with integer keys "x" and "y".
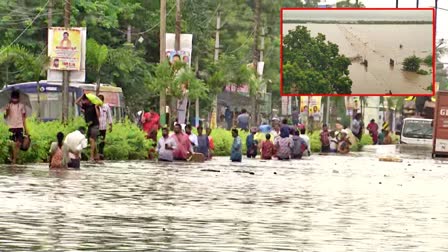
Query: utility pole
{"x": 214, "y": 114}
{"x": 128, "y": 34}
{"x": 417, "y": 4}
{"x": 66, "y": 73}
{"x": 396, "y": 4}
{"x": 262, "y": 85}
{"x": 162, "y": 38}
{"x": 173, "y": 101}
{"x": 253, "y": 97}
{"x": 178, "y": 26}
{"x": 50, "y": 14}
{"x": 196, "y": 104}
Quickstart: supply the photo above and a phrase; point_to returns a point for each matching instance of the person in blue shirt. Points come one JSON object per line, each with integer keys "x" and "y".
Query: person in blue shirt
{"x": 251, "y": 144}
{"x": 236, "y": 152}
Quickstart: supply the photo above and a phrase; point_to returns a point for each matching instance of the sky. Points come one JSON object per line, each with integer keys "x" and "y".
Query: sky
{"x": 405, "y": 15}
{"x": 442, "y": 15}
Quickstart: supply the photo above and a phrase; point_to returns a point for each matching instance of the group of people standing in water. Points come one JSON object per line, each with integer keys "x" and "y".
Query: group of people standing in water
{"x": 285, "y": 142}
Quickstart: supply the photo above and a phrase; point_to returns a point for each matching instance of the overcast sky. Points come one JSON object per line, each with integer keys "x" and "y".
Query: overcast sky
{"x": 320, "y": 14}
{"x": 442, "y": 15}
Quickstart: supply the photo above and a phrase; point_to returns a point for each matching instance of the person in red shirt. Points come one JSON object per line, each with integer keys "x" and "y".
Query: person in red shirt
{"x": 151, "y": 121}
{"x": 267, "y": 148}
{"x": 211, "y": 144}
{"x": 373, "y": 131}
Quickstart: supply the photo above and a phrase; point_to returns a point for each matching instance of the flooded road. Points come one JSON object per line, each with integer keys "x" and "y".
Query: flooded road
{"x": 325, "y": 203}
{"x": 378, "y": 44}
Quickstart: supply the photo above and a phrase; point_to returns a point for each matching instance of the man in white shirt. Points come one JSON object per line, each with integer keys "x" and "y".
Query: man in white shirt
{"x": 104, "y": 119}
{"x": 165, "y": 146}
{"x": 75, "y": 143}
{"x": 305, "y": 138}
{"x": 193, "y": 138}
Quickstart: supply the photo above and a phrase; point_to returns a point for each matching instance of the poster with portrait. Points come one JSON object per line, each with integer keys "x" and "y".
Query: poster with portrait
{"x": 186, "y": 47}
{"x": 184, "y": 56}
{"x": 352, "y": 103}
{"x": 313, "y": 103}
{"x": 64, "y": 48}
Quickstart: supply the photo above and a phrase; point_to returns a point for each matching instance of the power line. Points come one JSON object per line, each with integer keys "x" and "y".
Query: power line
{"x": 32, "y": 22}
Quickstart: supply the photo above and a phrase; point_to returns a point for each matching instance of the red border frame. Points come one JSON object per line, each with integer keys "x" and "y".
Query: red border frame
{"x": 361, "y": 9}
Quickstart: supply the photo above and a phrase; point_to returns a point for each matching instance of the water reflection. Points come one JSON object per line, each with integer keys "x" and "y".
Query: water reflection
{"x": 325, "y": 203}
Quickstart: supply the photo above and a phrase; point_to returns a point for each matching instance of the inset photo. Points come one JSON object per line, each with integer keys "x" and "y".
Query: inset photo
{"x": 357, "y": 51}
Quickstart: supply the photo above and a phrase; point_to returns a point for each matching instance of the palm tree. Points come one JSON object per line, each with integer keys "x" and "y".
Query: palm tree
{"x": 96, "y": 57}
{"x": 30, "y": 66}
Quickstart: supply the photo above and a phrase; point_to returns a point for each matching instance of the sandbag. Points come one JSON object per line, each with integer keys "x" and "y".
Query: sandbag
{"x": 94, "y": 99}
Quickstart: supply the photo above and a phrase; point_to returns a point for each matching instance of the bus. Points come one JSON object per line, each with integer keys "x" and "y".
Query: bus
{"x": 50, "y": 96}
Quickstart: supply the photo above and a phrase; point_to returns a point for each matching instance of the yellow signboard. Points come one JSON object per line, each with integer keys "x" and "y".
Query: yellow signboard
{"x": 64, "y": 48}
{"x": 311, "y": 102}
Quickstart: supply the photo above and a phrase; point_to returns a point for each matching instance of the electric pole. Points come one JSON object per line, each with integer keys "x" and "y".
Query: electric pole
{"x": 213, "y": 119}
{"x": 128, "y": 34}
{"x": 50, "y": 14}
{"x": 262, "y": 85}
{"x": 178, "y": 26}
{"x": 178, "y": 29}
{"x": 396, "y": 4}
{"x": 253, "y": 93}
{"x": 417, "y": 4}
{"x": 196, "y": 70}
{"x": 66, "y": 73}
{"x": 162, "y": 38}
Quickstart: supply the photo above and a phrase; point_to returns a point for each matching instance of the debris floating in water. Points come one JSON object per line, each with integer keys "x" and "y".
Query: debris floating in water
{"x": 391, "y": 159}
{"x": 210, "y": 170}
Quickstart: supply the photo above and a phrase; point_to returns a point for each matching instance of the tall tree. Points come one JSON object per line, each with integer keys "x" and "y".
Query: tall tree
{"x": 96, "y": 58}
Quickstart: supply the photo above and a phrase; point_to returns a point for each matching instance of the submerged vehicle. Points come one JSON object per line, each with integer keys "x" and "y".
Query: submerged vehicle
{"x": 418, "y": 131}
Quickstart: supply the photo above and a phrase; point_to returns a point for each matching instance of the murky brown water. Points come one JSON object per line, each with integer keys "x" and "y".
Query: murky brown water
{"x": 378, "y": 44}
{"x": 326, "y": 203}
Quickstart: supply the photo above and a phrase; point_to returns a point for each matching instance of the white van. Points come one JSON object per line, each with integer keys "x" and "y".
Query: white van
{"x": 417, "y": 131}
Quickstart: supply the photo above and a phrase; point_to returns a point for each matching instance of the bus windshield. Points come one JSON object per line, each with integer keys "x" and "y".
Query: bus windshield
{"x": 417, "y": 129}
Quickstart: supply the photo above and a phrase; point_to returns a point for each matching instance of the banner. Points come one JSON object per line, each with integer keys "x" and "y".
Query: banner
{"x": 64, "y": 48}
{"x": 313, "y": 103}
{"x": 186, "y": 47}
{"x": 352, "y": 103}
{"x": 173, "y": 55}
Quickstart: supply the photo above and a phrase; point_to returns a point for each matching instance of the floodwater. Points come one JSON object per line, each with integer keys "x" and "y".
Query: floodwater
{"x": 324, "y": 203}
{"x": 378, "y": 44}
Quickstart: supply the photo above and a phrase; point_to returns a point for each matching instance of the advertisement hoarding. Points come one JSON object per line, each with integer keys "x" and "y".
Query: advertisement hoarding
{"x": 67, "y": 51}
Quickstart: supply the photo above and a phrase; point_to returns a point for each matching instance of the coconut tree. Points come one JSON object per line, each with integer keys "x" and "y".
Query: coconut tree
{"x": 30, "y": 66}
{"x": 96, "y": 57}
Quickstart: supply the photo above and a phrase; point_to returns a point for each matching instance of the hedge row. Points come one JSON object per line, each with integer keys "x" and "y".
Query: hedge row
{"x": 126, "y": 142}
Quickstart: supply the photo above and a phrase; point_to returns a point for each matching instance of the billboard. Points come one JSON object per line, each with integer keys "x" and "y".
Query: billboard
{"x": 67, "y": 51}
{"x": 312, "y": 102}
{"x": 64, "y": 48}
{"x": 186, "y": 47}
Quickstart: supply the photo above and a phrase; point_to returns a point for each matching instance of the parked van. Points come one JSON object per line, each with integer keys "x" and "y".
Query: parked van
{"x": 417, "y": 131}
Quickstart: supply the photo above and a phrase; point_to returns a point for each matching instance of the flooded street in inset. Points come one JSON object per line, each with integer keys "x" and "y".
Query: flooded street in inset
{"x": 379, "y": 44}
{"x": 324, "y": 203}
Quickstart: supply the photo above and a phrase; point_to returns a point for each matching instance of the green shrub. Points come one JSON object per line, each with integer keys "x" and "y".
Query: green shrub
{"x": 422, "y": 72}
{"x": 412, "y": 63}
{"x": 223, "y": 141}
{"x": 125, "y": 142}
{"x": 428, "y": 60}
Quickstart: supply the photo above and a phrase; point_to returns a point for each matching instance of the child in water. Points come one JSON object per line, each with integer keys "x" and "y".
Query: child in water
{"x": 57, "y": 159}
{"x": 267, "y": 148}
